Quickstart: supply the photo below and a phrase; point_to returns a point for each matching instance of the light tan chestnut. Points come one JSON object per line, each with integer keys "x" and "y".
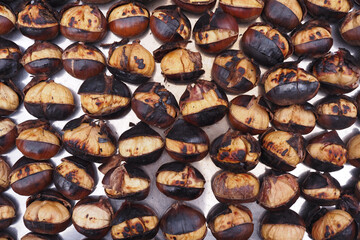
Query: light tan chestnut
{"x": 7, "y": 19}
{"x": 353, "y": 149}
{"x": 8, "y": 135}
{"x": 333, "y": 10}
{"x": 350, "y": 28}
{"x": 7, "y": 212}
{"x": 243, "y": 11}
{"x": 10, "y": 97}
{"x": 4, "y": 174}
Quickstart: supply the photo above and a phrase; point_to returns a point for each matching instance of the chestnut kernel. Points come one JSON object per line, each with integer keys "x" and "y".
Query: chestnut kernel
{"x": 195, "y": 6}
{"x": 243, "y": 11}
{"x": 39, "y": 236}
{"x": 9, "y": 59}
{"x": 350, "y": 28}
{"x": 7, "y": 18}
{"x": 8, "y": 135}
{"x": 353, "y": 149}
{"x": 7, "y": 212}
{"x": 333, "y": 10}
{"x": 4, "y": 174}
{"x": 10, "y": 97}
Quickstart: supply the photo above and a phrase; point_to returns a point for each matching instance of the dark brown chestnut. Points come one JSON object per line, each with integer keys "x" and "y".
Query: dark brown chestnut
{"x": 195, "y": 6}
{"x": 8, "y": 135}
{"x": 104, "y": 96}
{"x": 29, "y": 176}
{"x": 38, "y": 236}
{"x": 7, "y": 18}
{"x": 57, "y": 3}
{"x": 186, "y": 142}
{"x": 141, "y": 144}
{"x": 97, "y": 1}
{"x": 350, "y": 204}
{"x": 6, "y": 236}
{"x": 350, "y": 28}
{"x": 10, "y": 97}
{"x": 357, "y": 190}
{"x": 235, "y": 152}
{"x": 83, "y": 61}
{"x": 265, "y": 44}
{"x": 233, "y": 188}
{"x": 333, "y": 10}
{"x": 75, "y": 178}
{"x": 243, "y": 11}
{"x": 203, "y": 103}
{"x": 4, "y": 174}
{"x": 9, "y": 59}
{"x": 326, "y": 152}
{"x": 353, "y": 149}
{"x": 182, "y": 221}
{"x": 214, "y": 32}
{"x": 134, "y": 221}
{"x": 180, "y": 181}
{"x": 92, "y": 216}
{"x": 7, "y": 212}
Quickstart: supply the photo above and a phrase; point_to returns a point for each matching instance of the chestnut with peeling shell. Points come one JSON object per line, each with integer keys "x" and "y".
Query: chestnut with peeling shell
{"x": 9, "y": 58}
{"x": 333, "y": 10}
{"x": 180, "y": 181}
{"x": 228, "y": 222}
{"x": 186, "y": 143}
{"x": 350, "y": 28}
{"x": 353, "y": 149}
{"x": 7, "y": 212}
{"x": 10, "y": 97}
{"x": 195, "y": 6}
{"x": 29, "y": 176}
{"x": 141, "y": 145}
{"x": 104, "y": 96}
{"x": 243, "y": 11}
{"x": 39, "y": 236}
{"x": 8, "y": 135}
{"x": 7, "y": 18}
{"x": 4, "y": 175}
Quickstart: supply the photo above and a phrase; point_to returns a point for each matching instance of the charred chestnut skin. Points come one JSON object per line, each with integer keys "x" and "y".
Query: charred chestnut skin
{"x": 11, "y": 97}
{"x": 243, "y": 13}
{"x": 352, "y": 148}
{"x": 329, "y": 10}
{"x": 9, "y": 62}
{"x": 8, "y": 135}
{"x": 7, "y": 18}
{"x": 195, "y": 7}
{"x": 6, "y": 202}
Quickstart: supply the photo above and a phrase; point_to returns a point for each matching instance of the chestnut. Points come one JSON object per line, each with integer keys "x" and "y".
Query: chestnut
{"x": 141, "y": 144}
{"x": 186, "y": 142}
{"x": 233, "y": 188}
{"x": 92, "y": 216}
{"x": 56, "y": 3}
{"x": 183, "y": 222}
{"x": 8, "y": 135}
{"x": 357, "y": 190}
{"x": 326, "y": 152}
{"x": 265, "y": 44}
{"x": 6, "y": 236}
{"x": 128, "y": 19}
{"x": 84, "y": 23}
{"x": 38, "y": 20}
{"x": 46, "y": 99}
{"x": 243, "y": 11}
{"x": 350, "y": 28}
{"x": 180, "y": 181}
{"x": 195, "y": 6}
{"x": 169, "y": 24}
{"x": 47, "y": 212}
{"x": 10, "y": 96}
{"x": 336, "y": 112}
{"x": 215, "y": 32}
{"x": 287, "y": 84}
{"x": 235, "y": 152}
{"x": 228, "y": 222}
{"x": 39, "y": 236}
{"x": 89, "y": 139}
{"x": 97, "y": 1}
{"x": 9, "y": 59}
{"x": 321, "y": 189}
{"x": 234, "y": 72}
{"x": 75, "y": 178}
{"x": 104, "y": 96}
{"x": 126, "y": 182}
{"x": 332, "y": 10}
{"x": 353, "y": 147}
{"x": 7, "y": 212}
{"x": 203, "y": 103}
{"x": 7, "y": 18}
{"x": 4, "y": 174}
{"x": 249, "y": 114}
{"x": 29, "y": 176}
{"x": 83, "y": 61}
{"x": 38, "y": 140}
{"x": 350, "y": 204}
{"x": 134, "y": 221}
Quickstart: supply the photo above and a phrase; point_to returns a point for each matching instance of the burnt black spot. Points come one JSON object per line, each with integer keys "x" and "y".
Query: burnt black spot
{"x": 139, "y": 228}
{"x": 326, "y": 1}
{"x": 283, "y": 78}
{"x": 87, "y": 215}
{"x": 102, "y": 140}
{"x": 223, "y": 155}
{"x": 166, "y": 18}
{"x": 327, "y": 231}
{"x": 90, "y": 53}
{"x": 26, "y": 19}
{"x": 346, "y": 109}
{"x": 139, "y": 62}
{"x": 318, "y": 33}
{"x": 238, "y": 155}
{"x": 184, "y": 149}
{"x": 338, "y": 225}
{"x": 248, "y": 120}
{"x": 126, "y": 229}
{"x": 241, "y": 70}
{"x": 312, "y": 37}
{"x": 27, "y": 169}
{"x": 181, "y": 27}
{"x": 235, "y": 59}
{"x": 133, "y": 11}
{"x": 124, "y": 13}
{"x": 141, "y": 10}
{"x": 182, "y": 182}
{"x": 228, "y": 64}
{"x": 200, "y": 36}
{"x": 70, "y": 175}
{"x": 125, "y": 234}
{"x": 89, "y": 22}
{"x": 284, "y": 152}
{"x": 72, "y": 22}
{"x": 206, "y": 35}
{"x": 335, "y": 109}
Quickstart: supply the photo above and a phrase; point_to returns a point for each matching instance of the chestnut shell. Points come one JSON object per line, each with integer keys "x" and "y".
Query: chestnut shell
{"x": 7, "y": 140}
{"x": 6, "y": 222}
{"x": 195, "y": 7}
{"x": 243, "y": 13}
{"x": 6, "y": 24}
{"x": 10, "y": 63}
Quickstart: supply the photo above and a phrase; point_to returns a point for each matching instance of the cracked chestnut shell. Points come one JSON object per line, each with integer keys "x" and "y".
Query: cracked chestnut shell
{"x": 155, "y": 105}
{"x": 29, "y": 176}
{"x": 180, "y": 181}
{"x": 39, "y": 236}
{"x": 350, "y": 28}
{"x": 126, "y": 182}
{"x": 228, "y": 222}
{"x": 7, "y": 212}
{"x": 104, "y": 96}
{"x": 182, "y": 221}
{"x": 92, "y": 216}
{"x": 333, "y": 10}
{"x": 134, "y": 221}
{"x": 186, "y": 143}
{"x": 234, "y": 151}
{"x": 326, "y": 152}
{"x": 169, "y": 24}
{"x": 10, "y": 97}
{"x": 141, "y": 144}
{"x": 9, "y": 58}
{"x": 4, "y": 175}
{"x": 7, "y": 18}
{"x": 83, "y": 60}
{"x": 8, "y": 135}
{"x": 203, "y": 103}
{"x": 233, "y": 188}
{"x": 195, "y": 6}
{"x": 243, "y": 11}
{"x": 353, "y": 149}
{"x": 75, "y": 178}
{"x": 47, "y": 212}
{"x": 265, "y": 44}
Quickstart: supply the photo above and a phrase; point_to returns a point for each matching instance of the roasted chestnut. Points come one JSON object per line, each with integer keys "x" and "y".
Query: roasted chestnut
{"x": 326, "y": 152}
{"x": 141, "y": 144}
{"x": 10, "y": 97}
{"x": 46, "y": 99}
{"x": 155, "y": 105}
{"x": 4, "y": 174}
{"x": 37, "y": 20}
{"x": 8, "y": 135}
{"x": 203, "y": 103}
{"x": 235, "y": 152}
{"x": 195, "y": 6}
{"x": 7, "y": 18}
{"x": 6, "y": 236}
{"x": 350, "y": 204}
{"x": 350, "y": 28}
{"x": 89, "y": 139}
{"x": 9, "y": 58}
{"x": 134, "y": 221}
{"x": 287, "y": 84}
{"x": 169, "y": 24}
{"x": 214, "y": 32}
{"x": 97, "y": 1}
{"x": 183, "y": 222}
{"x": 56, "y": 3}
{"x": 83, "y": 61}
{"x": 84, "y": 23}
{"x": 75, "y": 178}
{"x": 186, "y": 142}
{"x": 233, "y": 188}
{"x": 7, "y": 212}
{"x": 29, "y": 176}
{"x": 333, "y": 10}
{"x": 265, "y": 44}
{"x": 47, "y": 212}
{"x": 357, "y": 190}
{"x": 128, "y": 18}
{"x": 249, "y": 114}
{"x": 244, "y": 11}
{"x": 126, "y": 182}
{"x": 104, "y": 96}
{"x": 92, "y": 216}
{"x": 38, "y": 236}
{"x": 180, "y": 181}
{"x": 353, "y": 149}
